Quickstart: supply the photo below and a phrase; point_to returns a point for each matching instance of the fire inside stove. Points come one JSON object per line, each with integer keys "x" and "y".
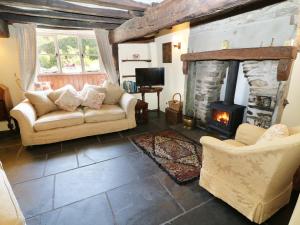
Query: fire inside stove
{"x": 221, "y": 116}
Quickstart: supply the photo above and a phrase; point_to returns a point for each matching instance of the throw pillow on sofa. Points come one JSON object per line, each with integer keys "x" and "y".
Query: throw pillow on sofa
{"x": 40, "y": 102}
{"x": 68, "y": 100}
{"x": 113, "y": 93}
{"x": 93, "y": 99}
{"x": 275, "y": 132}
{"x": 54, "y": 95}
{"x": 87, "y": 87}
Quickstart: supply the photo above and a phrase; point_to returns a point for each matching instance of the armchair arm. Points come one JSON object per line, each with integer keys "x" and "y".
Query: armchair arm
{"x": 25, "y": 114}
{"x": 128, "y": 102}
{"x": 248, "y": 134}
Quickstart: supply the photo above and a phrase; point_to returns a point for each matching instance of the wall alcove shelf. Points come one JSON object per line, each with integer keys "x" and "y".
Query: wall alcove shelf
{"x": 136, "y": 60}
{"x": 127, "y": 76}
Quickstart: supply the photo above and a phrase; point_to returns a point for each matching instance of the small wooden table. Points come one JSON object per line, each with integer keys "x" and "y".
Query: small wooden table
{"x": 157, "y": 90}
{"x": 141, "y": 111}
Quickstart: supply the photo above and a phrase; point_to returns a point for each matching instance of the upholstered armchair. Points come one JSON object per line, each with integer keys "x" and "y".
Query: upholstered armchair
{"x": 255, "y": 179}
{"x": 295, "y": 219}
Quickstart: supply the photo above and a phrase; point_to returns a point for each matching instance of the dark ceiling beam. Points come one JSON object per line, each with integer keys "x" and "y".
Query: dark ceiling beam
{"x": 172, "y": 12}
{"x": 59, "y": 15}
{"x": 121, "y": 4}
{"x": 55, "y": 22}
{"x": 60, "y": 5}
{"x": 4, "y": 33}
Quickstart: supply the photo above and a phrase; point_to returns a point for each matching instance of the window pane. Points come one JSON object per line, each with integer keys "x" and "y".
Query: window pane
{"x": 71, "y": 64}
{"x": 46, "y": 45}
{"x": 89, "y": 47}
{"x": 68, "y": 45}
{"x": 91, "y": 63}
{"x": 48, "y": 64}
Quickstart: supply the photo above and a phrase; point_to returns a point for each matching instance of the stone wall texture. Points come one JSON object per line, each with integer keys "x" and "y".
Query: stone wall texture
{"x": 204, "y": 87}
{"x": 266, "y": 93}
{"x": 266, "y": 97}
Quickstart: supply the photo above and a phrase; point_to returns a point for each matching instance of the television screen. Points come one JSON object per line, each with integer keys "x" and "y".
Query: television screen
{"x": 150, "y": 76}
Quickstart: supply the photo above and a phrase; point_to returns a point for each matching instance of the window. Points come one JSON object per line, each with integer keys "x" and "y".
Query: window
{"x": 67, "y": 54}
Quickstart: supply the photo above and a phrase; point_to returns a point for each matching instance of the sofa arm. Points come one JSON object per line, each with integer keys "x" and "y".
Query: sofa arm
{"x": 25, "y": 114}
{"x": 128, "y": 102}
{"x": 248, "y": 134}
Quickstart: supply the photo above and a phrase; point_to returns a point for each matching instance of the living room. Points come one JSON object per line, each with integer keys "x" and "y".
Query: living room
{"x": 149, "y": 112}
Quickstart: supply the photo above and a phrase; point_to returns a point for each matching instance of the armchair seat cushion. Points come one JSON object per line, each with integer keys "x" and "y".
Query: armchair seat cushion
{"x": 59, "y": 119}
{"x": 235, "y": 143}
{"x": 105, "y": 113}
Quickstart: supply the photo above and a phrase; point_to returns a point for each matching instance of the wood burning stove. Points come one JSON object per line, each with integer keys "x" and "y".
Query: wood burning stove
{"x": 225, "y": 115}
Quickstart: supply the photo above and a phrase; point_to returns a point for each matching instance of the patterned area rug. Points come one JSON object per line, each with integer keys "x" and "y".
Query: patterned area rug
{"x": 180, "y": 157}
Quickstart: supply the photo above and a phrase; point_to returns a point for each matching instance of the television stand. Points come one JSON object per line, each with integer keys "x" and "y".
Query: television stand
{"x": 144, "y": 90}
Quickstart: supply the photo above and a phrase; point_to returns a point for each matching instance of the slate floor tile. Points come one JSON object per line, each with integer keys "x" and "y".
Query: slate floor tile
{"x": 87, "y": 181}
{"x": 187, "y": 195}
{"x": 44, "y": 149}
{"x": 91, "y": 211}
{"x": 214, "y": 212}
{"x": 59, "y": 162}
{"x": 34, "y": 221}
{"x": 35, "y": 196}
{"x": 142, "y": 202}
{"x": 143, "y": 164}
{"x": 79, "y": 143}
{"x": 24, "y": 169}
{"x": 105, "y": 151}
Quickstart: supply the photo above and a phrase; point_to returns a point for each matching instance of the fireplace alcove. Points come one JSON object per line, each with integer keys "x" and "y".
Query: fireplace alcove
{"x": 267, "y": 70}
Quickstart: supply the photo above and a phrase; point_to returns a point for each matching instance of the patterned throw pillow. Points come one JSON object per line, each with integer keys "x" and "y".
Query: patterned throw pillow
{"x": 40, "y": 102}
{"x": 87, "y": 87}
{"x": 113, "y": 93}
{"x": 275, "y": 132}
{"x": 68, "y": 100}
{"x": 54, "y": 95}
{"x": 93, "y": 99}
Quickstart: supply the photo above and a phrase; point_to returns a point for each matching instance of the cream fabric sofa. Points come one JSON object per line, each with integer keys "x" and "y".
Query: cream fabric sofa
{"x": 255, "y": 179}
{"x": 295, "y": 219}
{"x": 10, "y": 212}
{"x": 62, "y": 125}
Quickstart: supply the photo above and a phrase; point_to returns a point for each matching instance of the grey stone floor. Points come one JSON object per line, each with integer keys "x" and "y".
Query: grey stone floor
{"x": 106, "y": 180}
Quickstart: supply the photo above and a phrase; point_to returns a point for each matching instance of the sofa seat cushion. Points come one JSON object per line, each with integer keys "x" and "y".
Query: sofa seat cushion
{"x": 10, "y": 213}
{"x": 105, "y": 113}
{"x": 234, "y": 143}
{"x": 59, "y": 119}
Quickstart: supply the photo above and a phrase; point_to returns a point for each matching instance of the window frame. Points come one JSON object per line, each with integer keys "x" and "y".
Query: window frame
{"x": 58, "y": 55}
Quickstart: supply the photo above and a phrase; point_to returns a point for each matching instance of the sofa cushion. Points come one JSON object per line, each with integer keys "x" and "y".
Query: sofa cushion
{"x": 113, "y": 93}
{"x": 69, "y": 100}
{"x": 87, "y": 87}
{"x": 10, "y": 213}
{"x": 106, "y": 113}
{"x": 59, "y": 119}
{"x": 54, "y": 95}
{"x": 41, "y": 103}
{"x": 93, "y": 99}
{"x": 234, "y": 143}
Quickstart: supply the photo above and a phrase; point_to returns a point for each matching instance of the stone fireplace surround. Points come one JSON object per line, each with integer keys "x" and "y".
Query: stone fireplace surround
{"x": 267, "y": 70}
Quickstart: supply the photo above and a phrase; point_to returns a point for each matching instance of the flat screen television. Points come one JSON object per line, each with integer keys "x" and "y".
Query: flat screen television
{"x": 150, "y": 76}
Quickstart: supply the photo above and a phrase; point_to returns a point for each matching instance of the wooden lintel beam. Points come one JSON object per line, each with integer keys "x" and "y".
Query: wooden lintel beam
{"x": 59, "y": 15}
{"x": 242, "y": 54}
{"x": 171, "y": 12}
{"x": 60, "y": 5}
{"x": 55, "y": 22}
{"x": 121, "y": 4}
{"x": 4, "y": 32}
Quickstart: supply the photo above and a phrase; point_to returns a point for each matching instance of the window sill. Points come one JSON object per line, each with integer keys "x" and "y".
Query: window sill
{"x": 71, "y": 74}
